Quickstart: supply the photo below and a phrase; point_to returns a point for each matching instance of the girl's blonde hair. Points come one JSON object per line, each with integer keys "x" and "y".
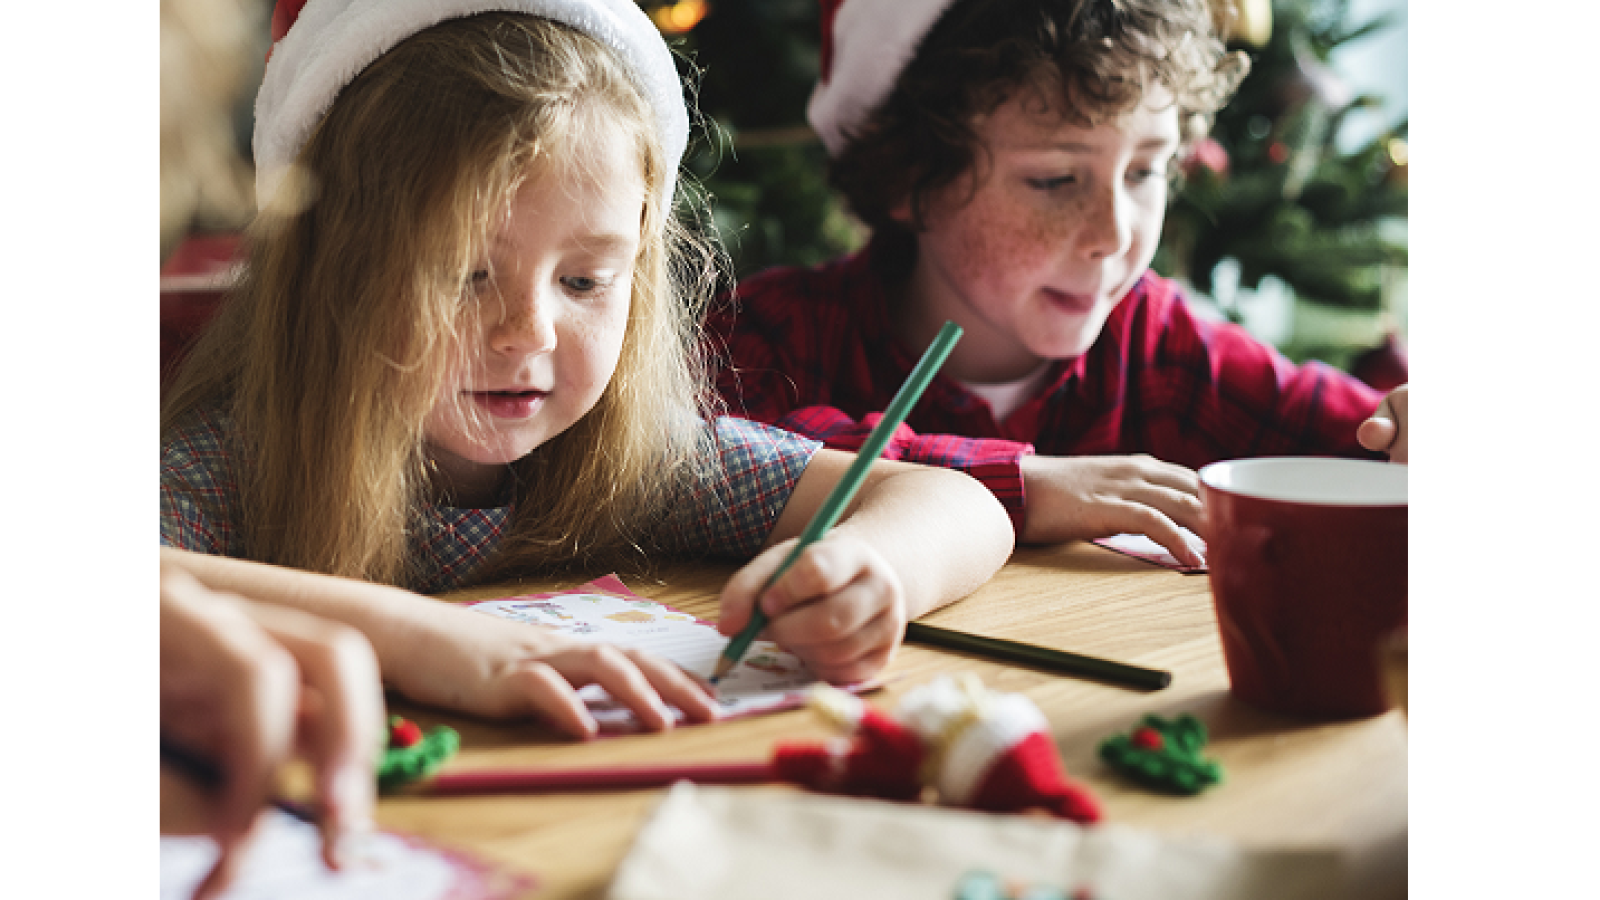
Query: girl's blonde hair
{"x": 340, "y": 337}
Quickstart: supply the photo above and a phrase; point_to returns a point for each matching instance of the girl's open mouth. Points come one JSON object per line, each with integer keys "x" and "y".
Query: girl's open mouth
{"x": 509, "y": 404}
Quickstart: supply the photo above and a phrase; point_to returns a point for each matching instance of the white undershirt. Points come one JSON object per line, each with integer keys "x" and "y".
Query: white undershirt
{"x": 1006, "y": 396}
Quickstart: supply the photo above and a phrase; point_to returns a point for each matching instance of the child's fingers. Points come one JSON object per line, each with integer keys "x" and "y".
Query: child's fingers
{"x": 739, "y": 595}
{"x": 676, "y": 687}
{"x": 824, "y": 568}
{"x": 1168, "y": 475}
{"x": 226, "y": 868}
{"x": 1182, "y": 508}
{"x": 538, "y": 688}
{"x": 614, "y": 670}
{"x": 1377, "y": 434}
{"x": 1156, "y": 526}
{"x": 829, "y": 619}
{"x": 262, "y": 685}
{"x": 1385, "y": 430}
{"x": 340, "y": 672}
{"x": 858, "y": 655}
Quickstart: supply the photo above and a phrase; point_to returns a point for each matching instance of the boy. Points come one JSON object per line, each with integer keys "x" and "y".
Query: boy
{"x": 1012, "y": 159}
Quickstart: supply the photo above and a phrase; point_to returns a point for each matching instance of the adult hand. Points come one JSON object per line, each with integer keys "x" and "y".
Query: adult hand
{"x": 250, "y": 685}
{"x": 840, "y": 608}
{"x": 1386, "y": 429}
{"x": 1084, "y": 497}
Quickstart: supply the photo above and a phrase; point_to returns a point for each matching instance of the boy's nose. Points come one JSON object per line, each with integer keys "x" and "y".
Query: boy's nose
{"x": 527, "y": 325}
{"x": 1108, "y": 225}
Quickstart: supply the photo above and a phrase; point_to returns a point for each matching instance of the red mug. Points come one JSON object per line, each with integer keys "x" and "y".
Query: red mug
{"x": 1308, "y": 576}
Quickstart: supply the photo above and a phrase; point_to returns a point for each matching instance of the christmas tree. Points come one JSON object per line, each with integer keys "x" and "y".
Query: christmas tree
{"x": 758, "y": 164}
{"x": 1273, "y": 190}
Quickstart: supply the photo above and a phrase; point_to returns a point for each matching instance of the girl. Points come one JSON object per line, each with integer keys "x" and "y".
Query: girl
{"x": 463, "y": 350}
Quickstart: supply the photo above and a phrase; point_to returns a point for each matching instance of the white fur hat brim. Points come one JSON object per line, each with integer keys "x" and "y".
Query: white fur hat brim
{"x": 871, "y": 43}
{"x": 332, "y": 41}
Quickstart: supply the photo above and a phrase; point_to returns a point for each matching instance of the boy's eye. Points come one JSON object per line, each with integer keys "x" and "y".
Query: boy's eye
{"x": 1050, "y": 184}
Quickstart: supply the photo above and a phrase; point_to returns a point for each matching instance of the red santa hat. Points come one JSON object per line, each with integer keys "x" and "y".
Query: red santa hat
{"x": 321, "y": 45}
{"x": 865, "y": 45}
{"x": 978, "y": 749}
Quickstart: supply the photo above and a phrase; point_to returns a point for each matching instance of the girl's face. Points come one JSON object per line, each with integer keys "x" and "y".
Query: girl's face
{"x": 552, "y": 297}
{"x": 1031, "y": 252}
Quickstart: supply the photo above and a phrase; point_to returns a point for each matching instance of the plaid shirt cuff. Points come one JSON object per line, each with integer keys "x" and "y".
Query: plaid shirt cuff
{"x": 995, "y": 462}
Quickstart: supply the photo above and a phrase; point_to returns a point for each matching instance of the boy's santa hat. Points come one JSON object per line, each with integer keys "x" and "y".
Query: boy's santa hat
{"x": 321, "y": 45}
{"x": 977, "y": 749}
{"x": 865, "y": 46}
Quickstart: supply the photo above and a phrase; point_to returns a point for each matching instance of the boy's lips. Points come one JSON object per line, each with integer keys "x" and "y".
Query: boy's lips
{"x": 512, "y": 404}
{"x": 1073, "y": 303}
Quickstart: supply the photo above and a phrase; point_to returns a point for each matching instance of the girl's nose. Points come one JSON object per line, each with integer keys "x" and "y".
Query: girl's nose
{"x": 1108, "y": 225}
{"x": 527, "y": 327}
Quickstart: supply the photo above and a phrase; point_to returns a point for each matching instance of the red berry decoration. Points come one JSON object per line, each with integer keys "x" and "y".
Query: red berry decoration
{"x": 1164, "y": 754}
{"x": 1148, "y": 738}
{"x": 412, "y": 755}
{"x": 404, "y": 733}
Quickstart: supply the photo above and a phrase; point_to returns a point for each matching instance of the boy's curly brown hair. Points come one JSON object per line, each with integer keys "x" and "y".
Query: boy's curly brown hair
{"x": 1100, "y": 57}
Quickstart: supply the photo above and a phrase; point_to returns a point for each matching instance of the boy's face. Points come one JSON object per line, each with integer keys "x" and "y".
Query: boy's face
{"x": 1030, "y": 252}
{"x": 552, "y": 300}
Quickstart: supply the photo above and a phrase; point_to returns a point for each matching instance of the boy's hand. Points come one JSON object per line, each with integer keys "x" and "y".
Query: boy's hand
{"x": 248, "y": 686}
{"x": 1386, "y": 429}
{"x": 497, "y": 668}
{"x": 1084, "y": 497}
{"x": 840, "y": 607}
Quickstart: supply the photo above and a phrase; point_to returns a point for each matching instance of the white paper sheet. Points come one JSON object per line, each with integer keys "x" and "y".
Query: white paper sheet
{"x": 725, "y": 844}
{"x": 286, "y": 861}
{"x": 1141, "y": 547}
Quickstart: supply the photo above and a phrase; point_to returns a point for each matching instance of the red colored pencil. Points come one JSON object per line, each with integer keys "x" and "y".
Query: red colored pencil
{"x": 498, "y": 781}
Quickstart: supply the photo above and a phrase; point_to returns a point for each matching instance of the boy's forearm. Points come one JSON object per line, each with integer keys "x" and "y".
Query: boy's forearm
{"x": 942, "y": 531}
{"x": 378, "y": 611}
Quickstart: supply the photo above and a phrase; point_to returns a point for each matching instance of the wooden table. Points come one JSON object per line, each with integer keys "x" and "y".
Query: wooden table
{"x": 1288, "y": 783}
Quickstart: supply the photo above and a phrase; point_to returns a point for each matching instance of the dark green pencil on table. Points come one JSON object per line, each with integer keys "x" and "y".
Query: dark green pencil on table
{"x": 839, "y": 498}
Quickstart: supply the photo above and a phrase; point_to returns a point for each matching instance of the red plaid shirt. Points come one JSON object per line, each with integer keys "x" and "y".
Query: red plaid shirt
{"x": 811, "y": 350}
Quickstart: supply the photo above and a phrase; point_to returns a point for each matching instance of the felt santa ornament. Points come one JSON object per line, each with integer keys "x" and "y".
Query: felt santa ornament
{"x": 319, "y": 46}
{"x": 974, "y": 748}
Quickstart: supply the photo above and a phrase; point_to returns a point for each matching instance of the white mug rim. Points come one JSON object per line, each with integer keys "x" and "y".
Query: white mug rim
{"x": 1334, "y": 481}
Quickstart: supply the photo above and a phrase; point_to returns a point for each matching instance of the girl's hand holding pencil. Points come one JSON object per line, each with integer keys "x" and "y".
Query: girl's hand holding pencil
{"x": 840, "y": 606}
{"x": 912, "y": 539}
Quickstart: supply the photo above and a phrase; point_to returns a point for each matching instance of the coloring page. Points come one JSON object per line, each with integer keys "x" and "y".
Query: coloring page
{"x": 769, "y": 678}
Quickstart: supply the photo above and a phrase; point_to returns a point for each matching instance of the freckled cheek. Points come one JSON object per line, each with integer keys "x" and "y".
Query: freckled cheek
{"x": 1001, "y": 246}
{"x": 593, "y": 346}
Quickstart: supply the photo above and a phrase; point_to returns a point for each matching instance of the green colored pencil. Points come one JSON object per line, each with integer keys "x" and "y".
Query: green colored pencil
{"x": 839, "y": 498}
{"x": 1042, "y": 657}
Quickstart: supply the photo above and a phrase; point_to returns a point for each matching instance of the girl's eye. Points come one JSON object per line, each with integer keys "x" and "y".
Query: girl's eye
{"x": 580, "y": 284}
{"x": 478, "y": 279}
